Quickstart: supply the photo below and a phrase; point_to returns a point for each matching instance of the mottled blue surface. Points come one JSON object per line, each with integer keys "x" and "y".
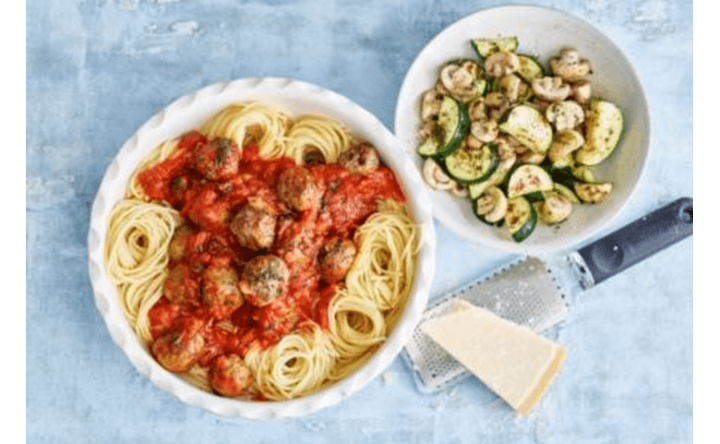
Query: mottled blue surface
{"x": 97, "y": 69}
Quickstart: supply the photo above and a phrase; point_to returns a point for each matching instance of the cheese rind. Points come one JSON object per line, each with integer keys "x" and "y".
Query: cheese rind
{"x": 512, "y": 360}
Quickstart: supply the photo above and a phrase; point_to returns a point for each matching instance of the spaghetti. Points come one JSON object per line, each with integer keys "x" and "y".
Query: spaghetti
{"x": 227, "y": 250}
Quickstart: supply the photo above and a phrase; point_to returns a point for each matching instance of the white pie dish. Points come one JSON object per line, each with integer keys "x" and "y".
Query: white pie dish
{"x": 541, "y": 32}
{"x": 186, "y": 113}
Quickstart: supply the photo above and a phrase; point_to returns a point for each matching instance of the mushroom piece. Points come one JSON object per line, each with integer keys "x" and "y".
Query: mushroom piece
{"x": 581, "y": 92}
{"x": 461, "y": 80}
{"x": 496, "y": 104}
{"x": 477, "y": 109}
{"x": 459, "y": 189}
{"x": 491, "y": 205}
{"x": 502, "y": 63}
{"x": 513, "y": 87}
{"x": 531, "y": 157}
{"x": 565, "y": 115}
{"x": 570, "y": 66}
{"x": 430, "y": 107}
{"x": 506, "y": 152}
{"x": 551, "y": 88}
{"x": 485, "y": 130}
{"x": 555, "y": 208}
{"x": 564, "y": 143}
{"x": 436, "y": 177}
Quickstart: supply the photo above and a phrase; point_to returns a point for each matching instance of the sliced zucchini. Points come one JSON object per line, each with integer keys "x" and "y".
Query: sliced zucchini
{"x": 529, "y": 127}
{"x": 486, "y": 47}
{"x": 603, "y": 128}
{"x": 567, "y": 192}
{"x": 491, "y": 206}
{"x": 593, "y": 192}
{"x": 520, "y": 218}
{"x": 583, "y": 173}
{"x": 530, "y": 68}
{"x": 452, "y": 127}
{"x": 469, "y": 165}
{"x": 528, "y": 179}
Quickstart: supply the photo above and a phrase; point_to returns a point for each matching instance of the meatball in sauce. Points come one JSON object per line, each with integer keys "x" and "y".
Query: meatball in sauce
{"x": 218, "y": 159}
{"x": 335, "y": 258}
{"x": 220, "y": 290}
{"x": 297, "y": 188}
{"x": 264, "y": 279}
{"x": 230, "y": 376}
{"x": 360, "y": 159}
{"x": 254, "y": 226}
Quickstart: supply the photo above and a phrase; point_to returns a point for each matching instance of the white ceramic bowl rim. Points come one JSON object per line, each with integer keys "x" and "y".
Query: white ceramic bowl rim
{"x": 562, "y": 29}
{"x": 186, "y": 113}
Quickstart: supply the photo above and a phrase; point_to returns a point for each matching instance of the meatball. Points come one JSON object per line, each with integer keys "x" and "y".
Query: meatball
{"x": 296, "y": 187}
{"x": 180, "y": 285}
{"x": 220, "y": 290}
{"x": 254, "y": 226}
{"x": 230, "y": 376}
{"x": 177, "y": 352}
{"x": 360, "y": 159}
{"x": 179, "y": 243}
{"x": 218, "y": 159}
{"x": 335, "y": 258}
{"x": 264, "y": 279}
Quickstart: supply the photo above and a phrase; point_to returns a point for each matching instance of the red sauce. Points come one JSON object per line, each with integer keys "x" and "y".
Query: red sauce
{"x": 345, "y": 201}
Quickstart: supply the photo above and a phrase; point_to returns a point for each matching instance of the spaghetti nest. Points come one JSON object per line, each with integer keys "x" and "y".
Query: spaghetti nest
{"x": 360, "y": 314}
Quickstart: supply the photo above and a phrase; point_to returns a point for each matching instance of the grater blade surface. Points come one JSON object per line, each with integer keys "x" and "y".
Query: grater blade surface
{"x": 525, "y": 292}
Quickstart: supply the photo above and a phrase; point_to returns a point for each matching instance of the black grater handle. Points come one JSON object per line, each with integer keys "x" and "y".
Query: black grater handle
{"x": 639, "y": 240}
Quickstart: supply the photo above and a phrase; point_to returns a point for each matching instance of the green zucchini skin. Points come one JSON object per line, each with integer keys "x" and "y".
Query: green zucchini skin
{"x": 468, "y": 166}
{"x": 487, "y": 47}
{"x": 452, "y": 128}
{"x": 521, "y": 218}
{"x": 604, "y": 126}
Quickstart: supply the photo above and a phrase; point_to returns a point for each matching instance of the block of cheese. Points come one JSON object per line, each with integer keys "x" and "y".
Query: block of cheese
{"x": 511, "y": 360}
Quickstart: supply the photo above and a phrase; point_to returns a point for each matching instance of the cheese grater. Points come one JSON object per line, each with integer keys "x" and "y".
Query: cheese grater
{"x": 532, "y": 291}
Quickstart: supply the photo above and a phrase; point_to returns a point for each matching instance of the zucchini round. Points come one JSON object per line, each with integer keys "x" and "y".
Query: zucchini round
{"x": 452, "y": 126}
{"x": 469, "y": 165}
{"x": 528, "y": 179}
{"x": 520, "y": 218}
{"x": 529, "y": 127}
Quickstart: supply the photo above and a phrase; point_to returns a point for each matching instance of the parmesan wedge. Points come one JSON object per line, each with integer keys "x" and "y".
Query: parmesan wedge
{"x": 512, "y": 360}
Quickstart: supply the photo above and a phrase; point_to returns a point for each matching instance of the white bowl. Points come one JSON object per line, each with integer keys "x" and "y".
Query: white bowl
{"x": 184, "y": 114}
{"x": 541, "y": 32}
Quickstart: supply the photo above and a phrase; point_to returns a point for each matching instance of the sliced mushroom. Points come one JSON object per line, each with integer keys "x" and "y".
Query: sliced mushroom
{"x": 472, "y": 142}
{"x": 436, "y": 177}
{"x": 555, "y": 208}
{"x": 428, "y": 129}
{"x": 478, "y": 109}
{"x": 552, "y": 89}
{"x": 502, "y": 63}
{"x": 496, "y": 104}
{"x": 506, "y": 152}
{"x": 459, "y": 190}
{"x": 565, "y": 115}
{"x": 485, "y": 130}
{"x": 513, "y": 87}
{"x": 492, "y": 205}
{"x": 461, "y": 81}
{"x": 531, "y": 157}
{"x": 581, "y": 92}
{"x": 430, "y": 107}
{"x": 570, "y": 66}
{"x": 593, "y": 192}
{"x": 564, "y": 143}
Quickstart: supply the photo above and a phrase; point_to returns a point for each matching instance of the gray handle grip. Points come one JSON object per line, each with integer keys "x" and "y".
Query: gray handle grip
{"x": 639, "y": 240}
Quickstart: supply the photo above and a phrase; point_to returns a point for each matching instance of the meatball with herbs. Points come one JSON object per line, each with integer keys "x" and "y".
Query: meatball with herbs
{"x": 218, "y": 159}
{"x": 178, "y": 352}
{"x": 230, "y": 376}
{"x": 360, "y": 159}
{"x": 254, "y": 226}
{"x": 220, "y": 290}
{"x": 297, "y": 188}
{"x": 264, "y": 279}
{"x": 335, "y": 259}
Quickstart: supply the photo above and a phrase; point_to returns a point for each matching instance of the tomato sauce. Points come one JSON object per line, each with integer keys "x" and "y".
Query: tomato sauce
{"x": 344, "y": 201}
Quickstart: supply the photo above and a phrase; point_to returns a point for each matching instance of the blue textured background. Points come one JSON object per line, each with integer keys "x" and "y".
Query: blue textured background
{"x": 98, "y": 69}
